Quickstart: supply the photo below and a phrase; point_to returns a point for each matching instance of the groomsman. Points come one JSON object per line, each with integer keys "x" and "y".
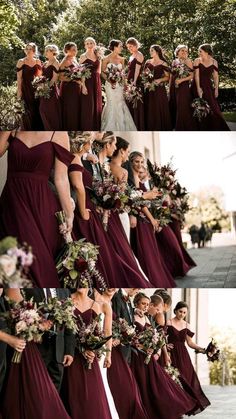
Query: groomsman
{"x": 57, "y": 350}
{"x": 122, "y": 306}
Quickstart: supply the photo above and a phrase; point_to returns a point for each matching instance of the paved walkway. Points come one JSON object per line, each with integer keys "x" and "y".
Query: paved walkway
{"x": 223, "y": 403}
{"x": 232, "y": 126}
{"x": 216, "y": 265}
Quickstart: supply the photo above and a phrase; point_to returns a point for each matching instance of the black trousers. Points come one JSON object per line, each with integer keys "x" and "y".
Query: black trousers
{"x": 48, "y": 352}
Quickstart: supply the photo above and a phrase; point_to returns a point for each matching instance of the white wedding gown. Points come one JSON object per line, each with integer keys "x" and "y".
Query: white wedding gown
{"x": 116, "y": 115}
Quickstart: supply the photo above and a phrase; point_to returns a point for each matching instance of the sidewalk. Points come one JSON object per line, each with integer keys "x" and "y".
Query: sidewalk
{"x": 216, "y": 265}
{"x": 223, "y": 403}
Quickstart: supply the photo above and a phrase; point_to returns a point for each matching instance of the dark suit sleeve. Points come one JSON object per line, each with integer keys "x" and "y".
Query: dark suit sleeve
{"x": 69, "y": 342}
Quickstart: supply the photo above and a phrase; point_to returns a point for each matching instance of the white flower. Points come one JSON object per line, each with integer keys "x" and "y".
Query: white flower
{"x": 8, "y": 264}
{"x": 21, "y": 326}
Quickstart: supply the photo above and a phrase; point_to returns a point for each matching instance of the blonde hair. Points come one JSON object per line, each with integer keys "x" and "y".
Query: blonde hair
{"x": 34, "y": 47}
{"x": 134, "y": 42}
{"x": 90, "y": 39}
{"x": 78, "y": 139}
{"x": 53, "y": 48}
{"x": 178, "y": 48}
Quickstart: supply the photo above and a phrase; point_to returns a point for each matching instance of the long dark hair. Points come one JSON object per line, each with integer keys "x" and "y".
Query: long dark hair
{"x": 207, "y": 48}
{"x": 114, "y": 43}
{"x": 121, "y": 144}
{"x": 129, "y": 167}
{"x": 179, "y": 305}
{"x": 159, "y": 51}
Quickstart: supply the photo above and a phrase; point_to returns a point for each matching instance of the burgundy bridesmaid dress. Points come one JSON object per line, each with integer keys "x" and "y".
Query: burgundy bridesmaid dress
{"x": 29, "y": 391}
{"x": 70, "y": 92}
{"x": 129, "y": 270}
{"x": 175, "y": 227}
{"x": 183, "y": 100}
{"x": 50, "y": 109}
{"x": 157, "y": 113}
{"x": 145, "y": 248}
{"x": 171, "y": 252}
{"x": 83, "y": 390}
{"x": 31, "y": 118}
{"x": 161, "y": 396}
{"x": 91, "y": 104}
{"x": 180, "y": 359}
{"x": 138, "y": 112}
{"x": 214, "y": 121}
{"x": 118, "y": 266}
{"x": 120, "y": 377}
{"x": 28, "y": 205}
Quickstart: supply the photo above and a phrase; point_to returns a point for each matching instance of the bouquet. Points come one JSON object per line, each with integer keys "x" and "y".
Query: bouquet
{"x": 91, "y": 337}
{"x": 181, "y": 70}
{"x": 174, "y": 374}
{"x": 76, "y": 264}
{"x": 107, "y": 195}
{"x": 61, "y": 313}
{"x": 26, "y": 322}
{"x": 180, "y": 198}
{"x": 14, "y": 263}
{"x": 163, "y": 177}
{"x": 148, "y": 81}
{"x": 133, "y": 94}
{"x": 99, "y": 51}
{"x": 80, "y": 72}
{"x": 160, "y": 210}
{"x": 123, "y": 331}
{"x": 42, "y": 87}
{"x": 149, "y": 338}
{"x": 115, "y": 75}
{"x": 212, "y": 351}
{"x": 201, "y": 109}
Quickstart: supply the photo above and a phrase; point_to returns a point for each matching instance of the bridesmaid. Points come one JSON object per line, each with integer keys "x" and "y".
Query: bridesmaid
{"x": 27, "y": 69}
{"x": 179, "y": 332}
{"x": 87, "y": 222}
{"x": 50, "y": 109}
{"x": 129, "y": 270}
{"x": 29, "y": 381}
{"x": 135, "y": 65}
{"x": 206, "y": 69}
{"x": 28, "y": 205}
{"x": 91, "y": 101}
{"x": 175, "y": 226}
{"x": 142, "y": 235}
{"x": 128, "y": 403}
{"x": 70, "y": 91}
{"x": 157, "y": 114}
{"x": 161, "y": 396}
{"x": 181, "y": 89}
{"x": 82, "y": 390}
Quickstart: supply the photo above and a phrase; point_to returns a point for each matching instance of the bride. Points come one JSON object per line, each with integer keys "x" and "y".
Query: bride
{"x": 116, "y": 115}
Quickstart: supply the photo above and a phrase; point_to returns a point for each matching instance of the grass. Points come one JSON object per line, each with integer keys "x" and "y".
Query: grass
{"x": 230, "y": 116}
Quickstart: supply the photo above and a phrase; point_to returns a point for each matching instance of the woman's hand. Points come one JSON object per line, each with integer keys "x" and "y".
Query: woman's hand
{"x": 107, "y": 360}
{"x": 200, "y": 92}
{"x": 84, "y": 89}
{"x": 16, "y": 343}
{"x": 115, "y": 342}
{"x": 155, "y": 224}
{"x": 178, "y": 81}
{"x": 133, "y": 221}
{"x": 150, "y": 351}
{"x": 154, "y": 193}
{"x": 86, "y": 214}
{"x": 89, "y": 356}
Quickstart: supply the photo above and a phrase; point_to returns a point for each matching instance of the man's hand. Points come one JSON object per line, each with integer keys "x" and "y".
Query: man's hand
{"x": 67, "y": 361}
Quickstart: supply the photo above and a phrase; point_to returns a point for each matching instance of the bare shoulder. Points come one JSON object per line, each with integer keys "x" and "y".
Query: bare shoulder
{"x": 106, "y": 308}
{"x": 197, "y": 61}
{"x": 168, "y": 322}
{"x": 189, "y": 62}
{"x": 61, "y": 138}
{"x": 20, "y": 62}
{"x": 63, "y": 63}
{"x": 56, "y": 64}
{"x": 140, "y": 56}
{"x": 215, "y": 63}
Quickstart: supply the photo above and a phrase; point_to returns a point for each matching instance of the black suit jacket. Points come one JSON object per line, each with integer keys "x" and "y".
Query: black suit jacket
{"x": 65, "y": 339}
{"x": 120, "y": 308}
